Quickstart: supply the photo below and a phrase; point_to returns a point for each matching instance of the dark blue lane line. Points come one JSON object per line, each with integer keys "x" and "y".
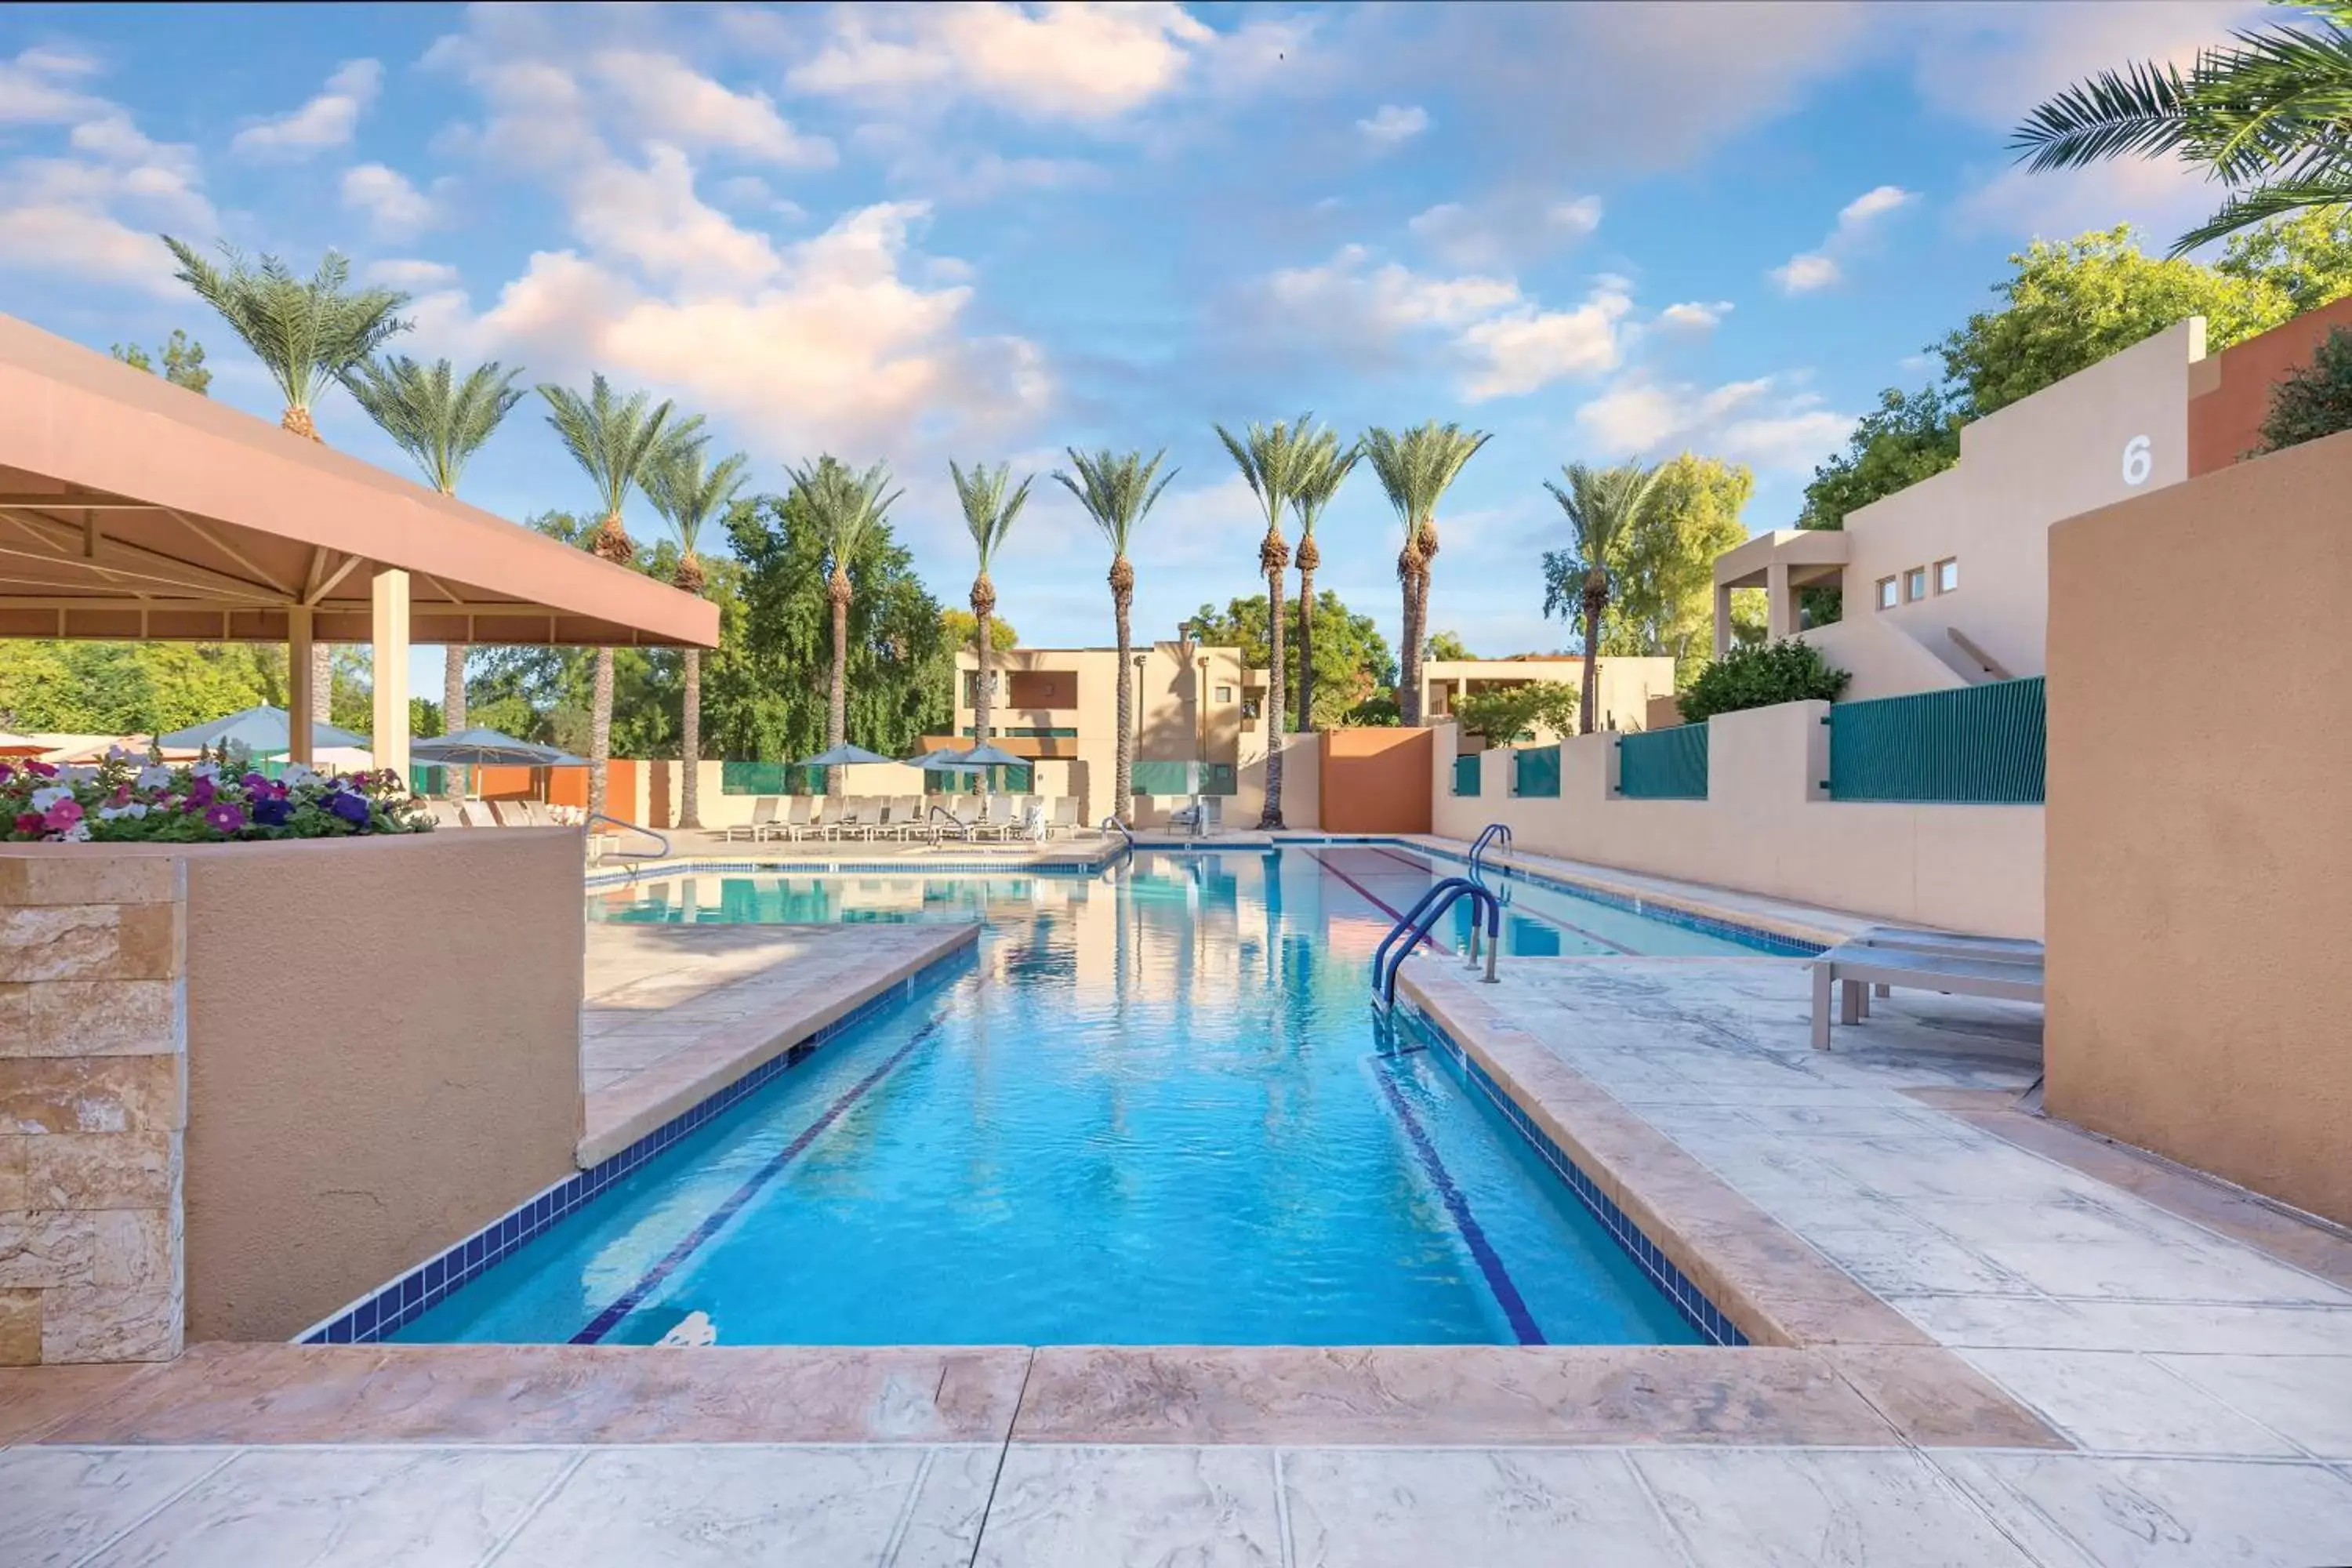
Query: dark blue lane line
{"x": 605, "y": 1321}
{"x": 1499, "y": 1278}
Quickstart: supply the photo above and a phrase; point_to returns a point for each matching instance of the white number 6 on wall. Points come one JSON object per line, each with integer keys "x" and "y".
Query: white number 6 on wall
{"x": 2138, "y": 463}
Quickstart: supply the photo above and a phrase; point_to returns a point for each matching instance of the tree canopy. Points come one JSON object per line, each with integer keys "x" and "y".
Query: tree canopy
{"x": 962, "y": 628}
{"x": 1447, "y": 646}
{"x": 1352, "y": 661}
{"x": 1662, "y": 571}
{"x": 183, "y": 359}
{"x": 1502, "y": 717}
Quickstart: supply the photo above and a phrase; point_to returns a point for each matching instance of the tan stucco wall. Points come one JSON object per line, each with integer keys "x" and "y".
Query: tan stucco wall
{"x": 382, "y": 1055}
{"x": 2230, "y": 395}
{"x": 2200, "y": 872}
{"x": 1766, "y": 828}
{"x": 1626, "y": 686}
{"x": 1379, "y": 780}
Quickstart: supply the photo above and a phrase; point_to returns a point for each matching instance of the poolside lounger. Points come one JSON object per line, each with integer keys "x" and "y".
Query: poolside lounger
{"x": 476, "y": 814}
{"x": 1062, "y": 816}
{"x": 445, "y": 813}
{"x": 1852, "y": 966}
{"x": 510, "y": 813}
{"x": 1952, "y": 945}
{"x": 810, "y": 821}
{"x": 763, "y": 815}
{"x": 538, "y": 813}
{"x": 849, "y": 818}
{"x": 793, "y": 814}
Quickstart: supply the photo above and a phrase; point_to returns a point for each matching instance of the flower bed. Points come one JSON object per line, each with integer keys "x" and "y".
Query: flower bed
{"x": 127, "y": 800}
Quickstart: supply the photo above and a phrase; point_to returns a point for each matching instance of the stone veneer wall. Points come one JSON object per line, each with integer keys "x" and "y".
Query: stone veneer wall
{"x": 93, "y": 1108}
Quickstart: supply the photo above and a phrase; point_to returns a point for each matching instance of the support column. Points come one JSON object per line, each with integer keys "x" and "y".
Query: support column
{"x": 388, "y": 632}
{"x": 1781, "y": 601}
{"x": 1722, "y": 619}
{"x": 298, "y": 683}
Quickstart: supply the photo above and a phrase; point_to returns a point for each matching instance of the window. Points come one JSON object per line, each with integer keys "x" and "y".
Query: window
{"x": 1915, "y": 584}
{"x": 1886, "y": 599}
{"x": 1947, "y": 576}
{"x": 1224, "y": 694}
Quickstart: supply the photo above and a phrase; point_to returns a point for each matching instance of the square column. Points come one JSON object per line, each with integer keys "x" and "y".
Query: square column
{"x": 388, "y": 633}
{"x": 1722, "y": 619}
{"x": 298, "y": 683}
{"x": 1779, "y": 601}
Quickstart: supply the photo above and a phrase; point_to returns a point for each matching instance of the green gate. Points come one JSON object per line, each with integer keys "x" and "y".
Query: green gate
{"x": 1663, "y": 764}
{"x": 1983, "y": 745}
{"x": 1466, "y": 774}
{"x": 1536, "y": 772}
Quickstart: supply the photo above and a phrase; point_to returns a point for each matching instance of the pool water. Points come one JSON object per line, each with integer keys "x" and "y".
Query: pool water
{"x": 1153, "y": 1109}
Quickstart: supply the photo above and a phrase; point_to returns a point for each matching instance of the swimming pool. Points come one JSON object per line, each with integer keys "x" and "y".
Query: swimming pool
{"x": 1153, "y": 1111}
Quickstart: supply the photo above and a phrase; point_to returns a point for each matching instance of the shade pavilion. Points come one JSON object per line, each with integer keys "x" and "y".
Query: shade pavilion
{"x": 132, "y": 509}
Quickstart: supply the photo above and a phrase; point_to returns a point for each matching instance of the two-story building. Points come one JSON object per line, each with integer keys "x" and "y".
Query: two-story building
{"x": 1627, "y": 686}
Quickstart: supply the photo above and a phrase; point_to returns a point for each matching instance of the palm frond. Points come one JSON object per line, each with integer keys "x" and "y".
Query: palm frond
{"x": 1271, "y": 458}
{"x": 1116, "y": 489}
{"x": 1602, "y": 506}
{"x": 1415, "y": 469}
{"x": 988, "y": 511}
{"x": 2138, "y": 109}
{"x": 687, "y": 494}
{"x": 615, "y": 440}
{"x": 843, "y": 503}
{"x": 1322, "y": 471}
{"x": 440, "y": 422}
{"x": 304, "y": 333}
{"x": 2265, "y": 202}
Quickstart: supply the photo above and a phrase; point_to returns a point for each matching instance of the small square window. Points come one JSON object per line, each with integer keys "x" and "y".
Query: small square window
{"x": 1948, "y": 576}
{"x": 1886, "y": 599}
{"x": 1915, "y": 582}
{"x": 1224, "y": 694}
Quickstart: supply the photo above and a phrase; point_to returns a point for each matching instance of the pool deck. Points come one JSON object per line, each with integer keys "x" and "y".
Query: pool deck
{"x": 1984, "y": 1338}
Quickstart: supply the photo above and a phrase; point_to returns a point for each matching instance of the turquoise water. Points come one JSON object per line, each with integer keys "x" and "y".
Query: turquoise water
{"x": 1150, "y": 1112}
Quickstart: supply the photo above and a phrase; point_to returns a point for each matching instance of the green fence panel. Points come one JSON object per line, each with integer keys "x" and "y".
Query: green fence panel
{"x": 1177, "y": 778}
{"x": 1536, "y": 772}
{"x": 1663, "y": 764}
{"x": 1466, "y": 775}
{"x": 769, "y": 778}
{"x": 1974, "y": 746}
{"x": 426, "y": 779}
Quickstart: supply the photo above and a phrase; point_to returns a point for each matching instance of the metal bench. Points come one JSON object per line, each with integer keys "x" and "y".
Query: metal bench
{"x": 1855, "y": 966}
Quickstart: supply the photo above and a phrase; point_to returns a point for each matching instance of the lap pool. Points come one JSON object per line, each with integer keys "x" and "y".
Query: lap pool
{"x": 1153, "y": 1109}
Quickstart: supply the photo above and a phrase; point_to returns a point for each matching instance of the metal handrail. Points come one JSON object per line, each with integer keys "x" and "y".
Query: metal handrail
{"x": 1109, "y": 823}
{"x": 1414, "y": 927}
{"x": 1495, "y": 832}
{"x": 596, "y": 817}
{"x": 964, "y": 828}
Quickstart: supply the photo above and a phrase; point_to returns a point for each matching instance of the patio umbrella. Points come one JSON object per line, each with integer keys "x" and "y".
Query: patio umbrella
{"x": 258, "y": 731}
{"x": 948, "y": 762}
{"x": 842, "y": 757}
{"x": 991, "y": 757}
{"x": 489, "y": 749}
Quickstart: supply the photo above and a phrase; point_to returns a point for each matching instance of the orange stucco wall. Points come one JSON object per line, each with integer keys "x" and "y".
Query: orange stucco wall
{"x": 1374, "y": 781}
{"x": 2230, "y": 391}
{"x": 383, "y": 1054}
{"x": 2200, "y": 872}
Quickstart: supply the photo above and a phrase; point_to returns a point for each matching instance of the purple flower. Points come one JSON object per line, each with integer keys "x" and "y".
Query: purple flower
{"x": 352, "y": 809}
{"x": 255, "y": 782}
{"x": 200, "y": 796}
{"x": 225, "y": 817}
{"x": 272, "y": 811}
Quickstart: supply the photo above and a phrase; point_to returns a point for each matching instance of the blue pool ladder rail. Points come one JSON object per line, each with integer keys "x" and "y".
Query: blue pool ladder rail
{"x": 1125, "y": 850}
{"x": 1414, "y": 928}
{"x": 1496, "y": 833}
{"x": 662, "y": 839}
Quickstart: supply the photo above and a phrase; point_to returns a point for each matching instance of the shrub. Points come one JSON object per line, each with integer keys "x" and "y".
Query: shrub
{"x": 1501, "y": 717}
{"x": 1761, "y": 676}
{"x": 2314, "y": 400}
{"x": 122, "y": 800}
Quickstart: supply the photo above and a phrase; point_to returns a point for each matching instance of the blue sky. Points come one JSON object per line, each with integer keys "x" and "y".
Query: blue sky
{"x": 991, "y": 231}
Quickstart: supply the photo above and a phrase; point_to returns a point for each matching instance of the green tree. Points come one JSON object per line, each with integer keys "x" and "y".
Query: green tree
{"x": 1446, "y": 646}
{"x": 1273, "y": 459}
{"x": 1661, "y": 602}
{"x": 964, "y": 631}
{"x": 987, "y": 514}
{"x": 440, "y": 422}
{"x": 183, "y": 357}
{"x": 615, "y": 441}
{"x": 687, "y": 495}
{"x": 1321, "y": 472}
{"x": 305, "y": 334}
{"x": 1907, "y": 438}
{"x": 2068, "y": 306}
{"x": 1502, "y": 717}
{"x": 1117, "y": 490}
{"x": 1761, "y": 676}
{"x": 2269, "y": 115}
{"x": 133, "y": 689}
{"x": 1352, "y": 663}
{"x": 2307, "y": 258}
{"x": 2316, "y": 399}
{"x": 845, "y": 505}
{"x": 1603, "y": 507}
{"x": 1415, "y": 470}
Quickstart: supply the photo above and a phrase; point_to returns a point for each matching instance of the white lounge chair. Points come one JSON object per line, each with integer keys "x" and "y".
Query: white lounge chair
{"x": 1062, "y": 816}
{"x": 1204, "y": 815}
{"x": 763, "y": 814}
{"x": 445, "y": 813}
{"x": 1851, "y": 966}
{"x": 849, "y": 817}
{"x": 810, "y": 821}
{"x": 792, "y": 812}
{"x": 476, "y": 814}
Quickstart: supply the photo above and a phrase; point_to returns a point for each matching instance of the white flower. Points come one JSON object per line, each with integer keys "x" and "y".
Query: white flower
{"x": 111, "y": 813}
{"x": 121, "y": 755}
{"x": 77, "y": 834}
{"x": 296, "y": 775}
{"x": 78, "y": 774}
{"x": 45, "y": 799}
{"x": 204, "y": 771}
{"x": 153, "y": 777}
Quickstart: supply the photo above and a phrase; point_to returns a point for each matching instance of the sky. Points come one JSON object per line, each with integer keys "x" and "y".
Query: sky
{"x": 995, "y": 231}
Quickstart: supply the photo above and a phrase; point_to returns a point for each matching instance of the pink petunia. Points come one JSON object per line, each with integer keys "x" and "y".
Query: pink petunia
{"x": 29, "y": 822}
{"x": 61, "y": 816}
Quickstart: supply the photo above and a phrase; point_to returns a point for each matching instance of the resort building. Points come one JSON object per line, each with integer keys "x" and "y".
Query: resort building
{"x": 1198, "y": 718}
{"x": 1947, "y": 584}
{"x": 1627, "y": 688}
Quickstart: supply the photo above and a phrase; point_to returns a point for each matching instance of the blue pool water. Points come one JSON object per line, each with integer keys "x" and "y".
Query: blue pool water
{"x": 1152, "y": 1111}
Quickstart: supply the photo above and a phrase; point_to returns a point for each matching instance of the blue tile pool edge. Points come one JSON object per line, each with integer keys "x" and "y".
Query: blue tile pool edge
{"x": 1712, "y": 1325}
{"x": 389, "y": 1307}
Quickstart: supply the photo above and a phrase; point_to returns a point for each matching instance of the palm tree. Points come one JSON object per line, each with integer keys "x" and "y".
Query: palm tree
{"x": 1321, "y": 472}
{"x": 845, "y": 505}
{"x": 1602, "y": 506}
{"x": 1116, "y": 489}
{"x": 440, "y": 423}
{"x": 615, "y": 442}
{"x": 687, "y": 495}
{"x": 1415, "y": 469}
{"x": 987, "y": 514}
{"x": 2269, "y": 115}
{"x": 305, "y": 336}
{"x": 1271, "y": 459}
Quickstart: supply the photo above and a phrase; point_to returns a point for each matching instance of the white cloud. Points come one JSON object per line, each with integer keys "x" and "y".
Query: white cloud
{"x": 113, "y": 136}
{"x": 1813, "y": 269}
{"x": 1991, "y": 64}
{"x": 329, "y": 120}
{"x": 1392, "y": 125}
{"x": 1529, "y": 349}
{"x": 410, "y": 273}
{"x": 80, "y": 242}
{"x": 35, "y": 88}
{"x": 1505, "y": 229}
{"x": 394, "y": 208}
{"x": 1753, "y": 421}
{"x": 652, "y": 217}
{"x": 670, "y": 101}
{"x": 1345, "y": 294}
{"x": 1063, "y": 62}
{"x": 750, "y": 191}
{"x": 1694, "y": 315}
